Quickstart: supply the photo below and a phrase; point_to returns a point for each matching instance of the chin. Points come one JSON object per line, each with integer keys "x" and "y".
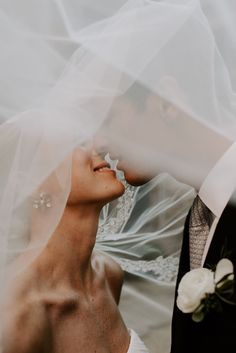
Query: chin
{"x": 136, "y": 180}
{"x": 115, "y": 191}
{"x": 119, "y": 190}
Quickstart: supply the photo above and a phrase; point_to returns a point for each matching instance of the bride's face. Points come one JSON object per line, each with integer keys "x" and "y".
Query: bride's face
{"x": 92, "y": 181}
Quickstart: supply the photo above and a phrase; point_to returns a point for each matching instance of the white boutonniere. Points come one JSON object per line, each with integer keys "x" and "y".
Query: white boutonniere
{"x": 202, "y": 290}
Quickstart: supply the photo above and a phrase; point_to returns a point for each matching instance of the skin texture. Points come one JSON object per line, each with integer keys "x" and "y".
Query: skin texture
{"x": 66, "y": 300}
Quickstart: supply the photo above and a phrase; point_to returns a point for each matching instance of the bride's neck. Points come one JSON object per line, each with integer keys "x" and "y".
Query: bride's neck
{"x": 69, "y": 250}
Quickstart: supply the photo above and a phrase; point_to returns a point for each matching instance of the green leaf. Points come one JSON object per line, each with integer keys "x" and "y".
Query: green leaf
{"x": 199, "y": 314}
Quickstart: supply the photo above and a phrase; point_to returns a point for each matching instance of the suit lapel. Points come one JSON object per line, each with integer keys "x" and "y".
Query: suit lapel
{"x": 223, "y": 239}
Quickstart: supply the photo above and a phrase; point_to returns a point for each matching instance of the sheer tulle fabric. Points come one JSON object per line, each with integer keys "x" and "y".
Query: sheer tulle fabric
{"x": 156, "y": 78}
{"x": 143, "y": 228}
{"x": 142, "y": 231}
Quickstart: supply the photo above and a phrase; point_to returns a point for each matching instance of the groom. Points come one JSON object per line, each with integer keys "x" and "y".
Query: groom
{"x": 209, "y": 235}
{"x": 209, "y": 232}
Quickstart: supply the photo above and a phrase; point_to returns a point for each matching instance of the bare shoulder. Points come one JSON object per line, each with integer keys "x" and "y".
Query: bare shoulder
{"x": 26, "y": 328}
{"x": 113, "y": 272}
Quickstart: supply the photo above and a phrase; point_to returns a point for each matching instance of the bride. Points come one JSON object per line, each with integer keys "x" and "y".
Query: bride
{"x": 70, "y": 292}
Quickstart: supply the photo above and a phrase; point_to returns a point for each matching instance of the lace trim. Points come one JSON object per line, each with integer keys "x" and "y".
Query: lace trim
{"x": 164, "y": 269}
{"x": 114, "y": 224}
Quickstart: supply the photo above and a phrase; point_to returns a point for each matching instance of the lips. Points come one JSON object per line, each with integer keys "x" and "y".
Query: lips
{"x": 102, "y": 167}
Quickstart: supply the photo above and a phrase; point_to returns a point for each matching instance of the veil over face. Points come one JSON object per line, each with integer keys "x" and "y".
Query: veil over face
{"x": 155, "y": 77}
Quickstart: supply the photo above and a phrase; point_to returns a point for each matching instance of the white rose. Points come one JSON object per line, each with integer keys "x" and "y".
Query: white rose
{"x": 223, "y": 268}
{"x": 193, "y": 287}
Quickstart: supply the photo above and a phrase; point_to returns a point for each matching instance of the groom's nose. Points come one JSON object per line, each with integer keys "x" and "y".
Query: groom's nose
{"x": 101, "y": 145}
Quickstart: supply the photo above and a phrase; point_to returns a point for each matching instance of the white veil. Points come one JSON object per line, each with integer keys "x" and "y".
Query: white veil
{"x": 142, "y": 231}
{"x": 155, "y": 77}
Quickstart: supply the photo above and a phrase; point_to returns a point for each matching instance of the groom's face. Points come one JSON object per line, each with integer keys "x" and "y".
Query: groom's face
{"x": 132, "y": 175}
{"x": 149, "y": 135}
{"x": 123, "y": 115}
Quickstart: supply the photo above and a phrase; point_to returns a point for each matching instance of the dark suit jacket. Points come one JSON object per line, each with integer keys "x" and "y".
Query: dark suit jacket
{"x": 217, "y": 332}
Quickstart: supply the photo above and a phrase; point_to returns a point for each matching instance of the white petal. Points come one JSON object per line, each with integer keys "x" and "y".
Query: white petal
{"x": 223, "y": 268}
